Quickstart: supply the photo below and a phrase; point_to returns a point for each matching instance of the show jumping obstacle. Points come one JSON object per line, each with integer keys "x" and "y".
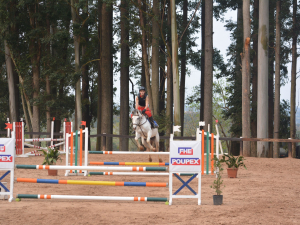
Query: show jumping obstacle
{"x": 103, "y": 183}
{"x": 128, "y": 153}
{"x": 129, "y": 163}
{"x": 211, "y": 139}
{"x": 55, "y": 167}
{"x": 74, "y": 150}
{"x": 18, "y": 127}
{"x": 192, "y": 168}
{"x": 105, "y": 198}
{"x": 137, "y": 174}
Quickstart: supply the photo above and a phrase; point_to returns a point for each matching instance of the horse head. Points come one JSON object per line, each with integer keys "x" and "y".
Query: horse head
{"x": 136, "y": 117}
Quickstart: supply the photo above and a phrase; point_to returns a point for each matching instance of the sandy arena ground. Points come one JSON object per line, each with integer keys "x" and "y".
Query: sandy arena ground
{"x": 267, "y": 193}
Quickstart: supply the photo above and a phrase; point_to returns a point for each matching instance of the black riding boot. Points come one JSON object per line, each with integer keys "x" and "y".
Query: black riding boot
{"x": 152, "y": 123}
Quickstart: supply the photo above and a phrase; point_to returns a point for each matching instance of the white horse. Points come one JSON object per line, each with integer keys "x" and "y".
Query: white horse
{"x": 143, "y": 130}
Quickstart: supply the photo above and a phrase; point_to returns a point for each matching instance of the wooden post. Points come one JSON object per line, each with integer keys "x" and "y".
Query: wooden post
{"x": 241, "y": 147}
{"x": 104, "y": 143}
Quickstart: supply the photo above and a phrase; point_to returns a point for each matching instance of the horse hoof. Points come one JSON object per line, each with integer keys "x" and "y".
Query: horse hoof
{"x": 150, "y": 159}
{"x": 160, "y": 160}
{"x": 141, "y": 148}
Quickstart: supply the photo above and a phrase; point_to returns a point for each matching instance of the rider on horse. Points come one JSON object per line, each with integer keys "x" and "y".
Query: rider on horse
{"x": 142, "y": 103}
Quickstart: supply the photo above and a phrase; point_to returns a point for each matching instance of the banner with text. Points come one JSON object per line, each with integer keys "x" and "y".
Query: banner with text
{"x": 185, "y": 156}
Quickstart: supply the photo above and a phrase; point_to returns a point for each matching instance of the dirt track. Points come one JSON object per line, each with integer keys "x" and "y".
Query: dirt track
{"x": 267, "y": 193}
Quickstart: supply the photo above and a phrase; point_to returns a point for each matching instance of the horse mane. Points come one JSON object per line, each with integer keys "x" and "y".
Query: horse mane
{"x": 135, "y": 112}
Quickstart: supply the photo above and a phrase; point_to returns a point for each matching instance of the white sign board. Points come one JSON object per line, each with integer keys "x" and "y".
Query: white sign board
{"x": 7, "y": 156}
{"x": 185, "y": 156}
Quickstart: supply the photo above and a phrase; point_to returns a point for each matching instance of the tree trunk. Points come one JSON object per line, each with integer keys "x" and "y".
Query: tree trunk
{"x": 208, "y": 63}
{"x": 169, "y": 77}
{"x": 246, "y": 79}
{"x": 155, "y": 57}
{"x": 183, "y": 66}
{"x": 109, "y": 143}
{"x": 238, "y": 80}
{"x": 202, "y": 62}
{"x": 174, "y": 36}
{"x": 254, "y": 79}
{"x": 162, "y": 93}
{"x": 143, "y": 74}
{"x": 293, "y": 81}
{"x": 145, "y": 55}
{"x": 11, "y": 84}
{"x": 85, "y": 82}
{"x": 78, "y": 110}
{"x": 35, "y": 52}
{"x": 98, "y": 145}
{"x": 124, "y": 81}
{"x": 277, "y": 82}
{"x": 48, "y": 88}
{"x": 106, "y": 79}
{"x": 162, "y": 78}
{"x": 271, "y": 76}
{"x": 262, "y": 100}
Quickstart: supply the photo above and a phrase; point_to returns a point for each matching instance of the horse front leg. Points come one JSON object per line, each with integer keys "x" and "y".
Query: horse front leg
{"x": 148, "y": 141}
{"x": 137, "y": 136}
{"x": 157, "y": 145}
{"x": 148, "y": 146}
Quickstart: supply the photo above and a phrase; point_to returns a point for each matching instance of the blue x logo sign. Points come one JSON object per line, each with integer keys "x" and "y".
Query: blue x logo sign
{"x": 185, "y": 184}
{"x": 2, "y": 178}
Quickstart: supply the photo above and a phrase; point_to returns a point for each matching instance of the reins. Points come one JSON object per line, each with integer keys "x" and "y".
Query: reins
{"x": 140, "y": 125}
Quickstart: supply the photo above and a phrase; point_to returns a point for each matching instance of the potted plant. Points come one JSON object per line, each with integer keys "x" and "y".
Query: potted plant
{"x": 51, "y": 157}
{"x": 218, "y": 198}
{"x": 233, "y": 164}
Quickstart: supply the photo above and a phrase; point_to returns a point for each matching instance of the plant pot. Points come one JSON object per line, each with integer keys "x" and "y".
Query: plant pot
{"x": 52, "y": 172}
{"x": 232, "y": 172}
{"x": 218, "y": 199}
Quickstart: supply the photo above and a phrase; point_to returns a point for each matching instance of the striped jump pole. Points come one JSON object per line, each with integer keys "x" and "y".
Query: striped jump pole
{"x": 35, "y": 154}
{"x": 44, "y": 148}
{"x": 105, "y": 198}
{"x": 55, "y": 167}
{"x": 128, "y": 153}
{"x": 43, "y": 139}
{"x": 102, "y": 183}
{"x": 129, "y": 163}
{"x": 136, "y": 174}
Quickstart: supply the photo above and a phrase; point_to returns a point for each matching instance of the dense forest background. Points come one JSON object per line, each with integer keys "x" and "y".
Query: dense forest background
{"x": 61, "y": 58}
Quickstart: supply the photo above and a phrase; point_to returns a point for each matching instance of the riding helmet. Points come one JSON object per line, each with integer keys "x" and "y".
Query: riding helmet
{"x": 142, "y": 88}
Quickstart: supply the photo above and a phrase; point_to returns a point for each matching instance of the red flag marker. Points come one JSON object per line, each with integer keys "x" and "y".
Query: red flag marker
{"x": 8, "y": 126}
{"x": 83, "y": 123}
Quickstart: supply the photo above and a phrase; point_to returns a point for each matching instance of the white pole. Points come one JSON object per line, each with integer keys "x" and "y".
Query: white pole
{"x": 14, "y": 131}
{"x": 170, "y": 188}
{"x": 8, "y": 130}
{"x": 67, "y": 152}
{"x": 23, "y": 137}
{"x": 217, "y": 141}
{"x": 86, "y": 146}
{"x": 56, "y": 167}
{"x": 64, "y": 135}
{"x": 52, "y": 130}
{"x": 43, "y": 139}
{"x": 105, "y": 198}
{"x": 128, "y": 153}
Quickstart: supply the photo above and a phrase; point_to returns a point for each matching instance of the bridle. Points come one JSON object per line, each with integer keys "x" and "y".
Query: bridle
{"x": 140, "y": 125}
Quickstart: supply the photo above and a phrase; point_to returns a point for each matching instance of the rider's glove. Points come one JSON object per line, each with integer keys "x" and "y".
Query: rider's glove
{"x": 143, "y": 112}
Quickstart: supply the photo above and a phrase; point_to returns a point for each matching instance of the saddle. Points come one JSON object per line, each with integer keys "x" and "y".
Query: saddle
{"x": 155, "y": 124}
